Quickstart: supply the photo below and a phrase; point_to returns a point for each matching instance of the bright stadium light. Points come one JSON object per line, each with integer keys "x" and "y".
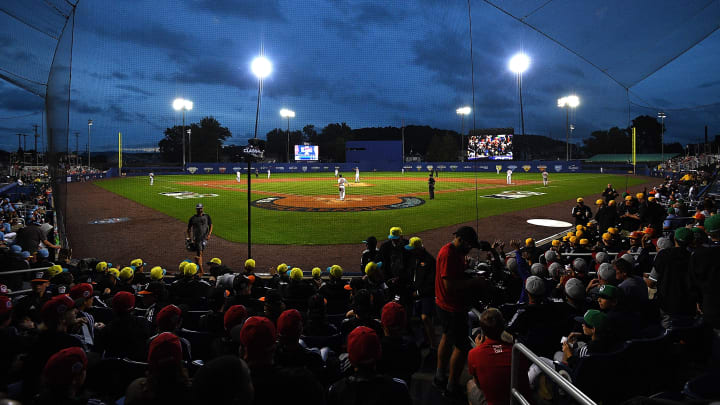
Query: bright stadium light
{"x": 261, "y": 67}
{"x": 567, "y": 103}
{"x": 463, "y": 110}
{"x": 519, "y": 64}
{"x": 285, "y": 113}
{"x": 180, "y": 104}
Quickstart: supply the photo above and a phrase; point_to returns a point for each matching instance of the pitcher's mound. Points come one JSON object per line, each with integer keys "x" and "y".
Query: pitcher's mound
{"x": 326, "y": 203}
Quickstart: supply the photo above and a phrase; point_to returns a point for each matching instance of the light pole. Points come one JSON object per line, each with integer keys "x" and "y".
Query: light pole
{"x": 262, "y": 68}
{"x": 518, "y": 64}
{"x": 90, "y": 122}
{"x": 285, "y": 113}
{"x": 184, "y": 105}
{"x": 568, "y": 103}
{"x": 662, "y": 117}
{"x": 189, "y": 133}
{"x": 462, "y": 112}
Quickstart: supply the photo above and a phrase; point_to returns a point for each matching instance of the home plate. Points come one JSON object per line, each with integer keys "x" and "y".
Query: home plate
{"x": 549, "y": 222}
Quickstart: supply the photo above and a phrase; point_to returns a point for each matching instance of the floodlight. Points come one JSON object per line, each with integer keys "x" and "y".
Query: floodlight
{"x": 519, "y": 63}
{"x": 573, "y": 101}
{"x": 463, "y": 110}
{"x": 285, "y": 113}
{"x": 261, "y": 67}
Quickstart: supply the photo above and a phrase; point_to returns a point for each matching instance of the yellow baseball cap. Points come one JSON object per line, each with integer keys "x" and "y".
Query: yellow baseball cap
{"x": 612, "y": 231}
{"x": 612, "y": 202}
{"x": 296, "y": 274}
{"x": 628, "y": 198}
{"x": 316, "y": 272}
{"x": 336, "y": 271}
{"x": 395, "y": 233}
{"x": 55, "y": 270}
{"x": 249, "y": 264}
{"x": 598, "y": 202}
{"x": 573, "y": 239}
{"x": 569, "y": 234}
{"x": 414, "y": 243}
{"x": 126, "y": 273}
{"x": 579, "y": 233}
{"x": 584, "y": 241}
{"x": 579, "y": 227}
{"x": 215, "y": 260}
{"x": 606, "y": 236}
{"x": 101, "y": 266}
{"x": 370, "y": 267}
{"x": 565, "y": 238}
{"x": 113, "y": 272}
{"x": 651, "y": 198}
{"x": 190, "y": 269}
{"x": 580, "y": 199}
{"x": 640, "y": 195}
{"x": 282, "y": 268}
{"x": 181, "y": 266}
{"x": 137, "y": 263}
{"x": 556, "y": 243}
{"x": 529, "y": 241}
{"x": 157, "y": 273}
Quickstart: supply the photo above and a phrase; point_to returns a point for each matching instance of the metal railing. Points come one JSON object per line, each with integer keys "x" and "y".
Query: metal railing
{"x": 516, "y": 397}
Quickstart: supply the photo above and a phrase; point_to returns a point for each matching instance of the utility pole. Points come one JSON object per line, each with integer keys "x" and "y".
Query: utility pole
{"x": 37, "y": 156}
{"x": 77, "y": 157}
{"x": 19, "y": 142}
{"x": 90, "y": 122}
{"x": 24, "y": 142}
{"x": 402, "y": 135}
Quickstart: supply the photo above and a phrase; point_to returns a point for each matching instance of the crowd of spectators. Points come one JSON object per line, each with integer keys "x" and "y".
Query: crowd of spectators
{"x": 95, "y": 332}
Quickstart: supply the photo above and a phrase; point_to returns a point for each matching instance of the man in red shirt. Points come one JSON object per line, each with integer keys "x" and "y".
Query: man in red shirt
{"x": 452, "y": 292}
{"x": 489, "y": 362}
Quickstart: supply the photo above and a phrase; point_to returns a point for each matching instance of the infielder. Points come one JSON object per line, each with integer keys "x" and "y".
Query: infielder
{"x": 152, "y": 178}
{"x": 336, "y": 172}
{"x": 357, "y": 174}
{"x": 237, "y": 176}
{"x": 545, "y": 178}
{"x": 341, "y": 186}
{"x": 268, "y": 172}
{"x": 509, "y": 176}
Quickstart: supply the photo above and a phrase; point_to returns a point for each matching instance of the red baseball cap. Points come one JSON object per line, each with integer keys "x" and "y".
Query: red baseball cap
{"x": 56, "y": 307}
{"x": 64, "y": 365}
{"x": 393, "y": 316}
{"x": 123, "y": 302}
{"x": 5, "y": 305}
{"x": 363, "y": 346}
{"x": 257, "y": 334}
{"x": 289, "y": 324}
{"x": 168, "y": 317}
{"x": 165, "y": 350}
{"x": 82, "y": 290}
{"x": 234, "y": 316}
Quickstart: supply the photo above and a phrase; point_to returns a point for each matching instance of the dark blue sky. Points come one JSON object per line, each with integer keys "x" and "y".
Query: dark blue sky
{"x": 380, "y": 64}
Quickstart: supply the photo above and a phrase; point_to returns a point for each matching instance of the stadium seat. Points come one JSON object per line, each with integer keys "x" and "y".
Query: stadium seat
{"x": 111, "y": 377}
{"x": 101, "y": 314}
{"x": 199, "y": 343}
{"x": 334, "y": 341}
{"x": 599, "y": 367}
{"x": 650, "y": 362}
{"x": 191, "y": 319}
{"x": 704, "y": 387}
{"x": 336, "y": 319}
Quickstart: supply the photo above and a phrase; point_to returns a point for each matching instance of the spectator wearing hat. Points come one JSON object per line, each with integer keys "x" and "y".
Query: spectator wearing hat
{"x": 198, "y": 231}
{"x": 605, "y": 275}
{"x": 12, "y": 344}
{"x": 625, "y": 324}
{"x": 596, "y": 330}
{"x": 316, "y": 274}
{"x": 189, "y": 289}
{"x": 289, "y": 352}
{"x": 629, "y": 214}
{"x": 635, "y": 293}
{"x": 537, "y": 324}
{"x": 215, "y": 267}
{"x": 139, "y": 275}
{"x": 169, "y": 319}
{"x": 125, "y": 282}
{"x": 333, "y": 290}
{"x": 83, "y": 295}
{"x": 31, "y": 236}
{"x": 401, "y": 356}
{"x": 167, "y": 380}
{"x": 705, "y": 269}
{"x": 452, "y": 290}
{"x": 361, "y": 314}
{"x": 257, "y": 347}
{"x": 126, "y": 335}
{"x": 240, "y": 288}
{"x": 609, "y": 193}
{"x": 43, "y": 258}
{"x": 31, "y": 304}
{"x": 676, "y": 294}
{"x": 226, "y": 343}
{"x": 366, "y": 385}
{"x": 374, "y": 282}
{"x": 154, "y": 297}
{"x": 63, "y": 377}
{"x": 257, "y": 283}
{"x": 489, "y": 362}
{"x": 534, "y": 252}
{"x": 298, "y": 291}
{"x": 394, "y": 259}
{"x": 370, "y": 254}
{"x": 581, "y": 212}
{"x": 317, "y": 323}
{"x": 422, "y": 265}
{"x": 224, "y": 380}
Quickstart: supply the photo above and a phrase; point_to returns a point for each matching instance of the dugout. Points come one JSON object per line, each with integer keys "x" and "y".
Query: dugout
{"x": 373, "y": 152}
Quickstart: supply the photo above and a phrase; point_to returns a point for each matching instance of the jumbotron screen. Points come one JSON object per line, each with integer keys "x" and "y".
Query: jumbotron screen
{"x": 306, "y": 153}
{"x": 493, "y": 147}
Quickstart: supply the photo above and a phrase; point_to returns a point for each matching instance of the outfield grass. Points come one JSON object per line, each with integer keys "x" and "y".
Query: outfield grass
{"x": 229, "y": 209}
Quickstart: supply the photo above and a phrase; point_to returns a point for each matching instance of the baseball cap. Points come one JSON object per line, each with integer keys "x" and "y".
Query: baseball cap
{"x": 215, "y": 260}
{"x": 289, "y": 324}
{"x": 15, "y": 248}
{"x": 556, "y": 243}
{"x": 414, "y": 243}
{"x": 138, "y": 263}
{"x": 282, "y": 268}
{"x": 529, "y": 241}
{"x": 235, "y": 315}
{"x": 181, "y": 266}
{"x": 640, "y": 195}
{"x": 123, "y": 302}
{"x": 190, "y": 269}
{"x": 609, "y": 291}
{"x": 5, "y": 305}
{"x": 511, "y": 264}
{"x": 296, "y": 273}
{"x": 157, "y": 273}
{"x": 363, "y": 346}
{"x": 537, "y": 269}
{"x": 601, "y": 257}
{"x": 584, "y": 241}
{"x": 636, "y": 235}
{"x": 579, "y": 227}
{"x": 598, "y": 202}
{"x": 575, "y": 289}
{"x": 628, "y": 258}
{"x": 371, "y": 240}
{"x": 612, "y": 231}
{"x": 393, "y": 316}
{"x": 683, "y": 235}
{"x": 198, "y": 206}
{"x": 82, "y": 290}
{"x": 651, "y": 198}
{"x": 469, "y": 235}
{"x": 592, "y": 318}
{"x": 55, "y": 270}
{"x": 555, "y": 269}
{"x": 101, "y": 266}
{"x": 249, "y": 264}
{"x": 168, "y": 317}
{"x": 606, "y": 272}
{"x": 551, "y": 255}
{"x": 712, "y": 224}
{"x": 316, "y": 272}
{"x": 628, "y": 198}
{"x": 56, "y": 307}
{"x": 395, "y": 233}
{"x": 113, "y": 272}
{"x": 648, "y": 230}
{"x": 579, "y": 233}
{"x": 165, "y": 350}
{"x": 570, "y": 234}
{"x": 126, "y": 273}
{"x": 43, "y": 253}
{"x": 579, "y": 200}
{"x": 41, "y": 277}
{"x": 336, "y": 271}
{"x": 573, "y": 239}
{"x": 607, "y": 236}
{"x": 535, "y": 285}
{"x": 63, "y": 366}
{"x": 257, "y": 335}
{"x": 612, "y": 202}
{"x": 664, "y": 243}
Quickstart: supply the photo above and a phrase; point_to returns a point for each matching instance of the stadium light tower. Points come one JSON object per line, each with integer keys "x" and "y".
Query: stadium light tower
{"x": 519, "y": 64}
{"x": 567, "y": 103}
{"x": 180, "y": 104}
{"x": 662, "y": 117}
{"x": 285, "y": 113}
{"x": 462, "y": 112}
{"x": 90, "y": 122}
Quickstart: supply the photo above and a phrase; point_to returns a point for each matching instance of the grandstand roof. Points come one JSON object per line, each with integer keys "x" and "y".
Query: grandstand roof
{"x": 626, "y": 157}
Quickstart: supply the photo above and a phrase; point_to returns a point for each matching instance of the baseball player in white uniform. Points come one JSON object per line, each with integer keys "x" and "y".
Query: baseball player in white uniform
{"x": 509, "y": 176}
{"x": 357, "y": 174}
{"x": 268, "y": 172}
{"x": 336, "y": 172}
{"x": 341, "y": 187}
{"x": 237, "y": 176}
{"x": 545, "y": 178}
{"x": 152, "y": 178}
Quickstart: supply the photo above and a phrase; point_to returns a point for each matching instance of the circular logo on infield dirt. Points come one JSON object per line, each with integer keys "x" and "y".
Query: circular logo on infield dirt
{"x": 320, "y": 203}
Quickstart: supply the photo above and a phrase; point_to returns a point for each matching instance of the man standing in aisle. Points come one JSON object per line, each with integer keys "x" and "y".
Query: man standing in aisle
{"x": 545, "y": 178}
{"x": 509, "y": 176}
{"x": 341, "y": 186}
{"x": 199, "y": 230}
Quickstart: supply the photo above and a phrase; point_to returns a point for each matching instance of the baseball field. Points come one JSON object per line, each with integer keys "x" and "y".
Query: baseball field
{"x": 304, "y": 208}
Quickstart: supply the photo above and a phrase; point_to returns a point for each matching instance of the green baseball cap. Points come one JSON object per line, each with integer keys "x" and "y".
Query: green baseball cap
{"x": 609, "y": 291}
{"x": 683, "y": 235}
{"x": 712, "y": 224}
{"x": 593, "y": 318}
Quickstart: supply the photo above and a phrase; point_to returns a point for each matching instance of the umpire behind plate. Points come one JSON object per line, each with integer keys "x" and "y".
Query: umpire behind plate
{"x": 198, "y": 232}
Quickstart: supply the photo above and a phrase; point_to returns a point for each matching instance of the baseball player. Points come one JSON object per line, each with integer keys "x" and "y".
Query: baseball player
{"x": 509, "y": 176}
{"x": 357, "y": 174}
{"x": 237, "y": 176}
{"x": 152, "y": 178}
{"x": 199, "y": 230}
{"x": 268, "y": 172}
{"x": 403, "y": 170}
{"x": 545, "y": 178}
{"x": 341, "y": 186}
{"x": 431, "y": 186}
{"x": 336, "y": 172}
